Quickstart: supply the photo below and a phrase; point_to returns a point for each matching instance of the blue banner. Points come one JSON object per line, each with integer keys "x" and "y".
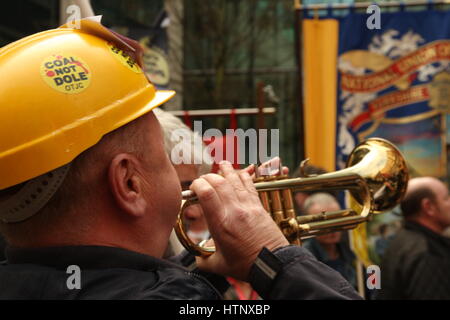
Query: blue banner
{"x": 394, "y": 83}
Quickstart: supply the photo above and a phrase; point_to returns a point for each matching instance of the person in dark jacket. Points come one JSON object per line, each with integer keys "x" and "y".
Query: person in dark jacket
{"x": 330, "y": 248}
{"x": 417, "y": 261}
{"x": 103, "y": 226}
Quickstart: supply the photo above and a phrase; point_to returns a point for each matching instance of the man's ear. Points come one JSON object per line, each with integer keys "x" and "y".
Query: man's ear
{"x": 428, "y": 206}
{"x": 126, "y": 184}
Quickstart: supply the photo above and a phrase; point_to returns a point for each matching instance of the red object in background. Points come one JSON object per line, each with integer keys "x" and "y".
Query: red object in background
{"x": 239, "y": 292}
{"x": 226, "y": 142}
{"x": 187, "y": 119}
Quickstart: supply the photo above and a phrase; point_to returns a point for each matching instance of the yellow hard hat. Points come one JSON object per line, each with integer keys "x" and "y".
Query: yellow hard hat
{"x": 60, "y": 91}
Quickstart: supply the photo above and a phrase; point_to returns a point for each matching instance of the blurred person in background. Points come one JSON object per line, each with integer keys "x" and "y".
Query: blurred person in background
{"x": 382, "y": 242}
{"x": 416, "y": 263}
{"x": 446, "y": 232}
{"x": 301, "y": 196}
{"x": 330, "y": 248}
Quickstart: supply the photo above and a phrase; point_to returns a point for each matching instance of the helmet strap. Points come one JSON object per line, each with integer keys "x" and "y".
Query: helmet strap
{"x": 33, "y": 196}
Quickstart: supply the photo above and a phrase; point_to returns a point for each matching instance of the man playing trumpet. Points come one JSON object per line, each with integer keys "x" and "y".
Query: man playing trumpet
{"x": 85, "y": 181}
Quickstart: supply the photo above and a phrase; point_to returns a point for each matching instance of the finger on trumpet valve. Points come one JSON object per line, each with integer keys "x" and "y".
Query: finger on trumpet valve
{"x": 257, "y": 174}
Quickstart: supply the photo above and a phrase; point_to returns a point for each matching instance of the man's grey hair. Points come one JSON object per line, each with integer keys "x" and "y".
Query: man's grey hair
{"x": 195, "y": 145}
{"x": 320, "y": 198}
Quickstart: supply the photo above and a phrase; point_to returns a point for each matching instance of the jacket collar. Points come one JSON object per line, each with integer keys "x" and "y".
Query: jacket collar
{"x": 87, "y": 257}
{"x": 417, "y": 227}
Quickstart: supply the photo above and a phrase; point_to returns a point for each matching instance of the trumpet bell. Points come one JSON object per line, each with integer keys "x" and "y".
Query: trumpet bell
{"x": 384, "y": 170}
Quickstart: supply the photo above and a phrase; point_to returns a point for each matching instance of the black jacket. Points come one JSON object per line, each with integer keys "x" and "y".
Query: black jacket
{"x": 416, "y": 265}
{"x": 344, "y": 264}
{"x": 113, "y": 273}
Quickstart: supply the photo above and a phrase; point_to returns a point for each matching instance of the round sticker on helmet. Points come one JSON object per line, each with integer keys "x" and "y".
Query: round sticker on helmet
{"x": 124, "y": 58}
{"x": 66, "y": 73}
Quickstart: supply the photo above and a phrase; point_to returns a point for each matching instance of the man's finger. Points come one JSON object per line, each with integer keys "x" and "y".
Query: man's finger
{"x": 266, "y": 168}
{"x": 270, "y": 167}
{"x": 209, "y": 199}
{"x": 247, "y": 181}
{"x": 232, "y": 176}
{"x": 223, "y": 189}
{"x": 250, "y": 169}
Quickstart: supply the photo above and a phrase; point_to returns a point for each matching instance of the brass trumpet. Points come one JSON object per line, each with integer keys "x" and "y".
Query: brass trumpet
{"x": 376, "y": 177}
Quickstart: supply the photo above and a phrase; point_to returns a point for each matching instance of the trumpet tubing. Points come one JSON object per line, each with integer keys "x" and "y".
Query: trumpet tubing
{"x": 376, "y": 178}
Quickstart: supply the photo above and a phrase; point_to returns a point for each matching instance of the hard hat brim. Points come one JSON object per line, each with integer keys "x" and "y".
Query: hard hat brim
{"x": 54, "y": 141}
{"x": 161, "y": 96}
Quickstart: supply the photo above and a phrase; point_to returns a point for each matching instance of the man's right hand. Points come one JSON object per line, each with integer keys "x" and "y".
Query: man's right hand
{"x": 237, "y": 221}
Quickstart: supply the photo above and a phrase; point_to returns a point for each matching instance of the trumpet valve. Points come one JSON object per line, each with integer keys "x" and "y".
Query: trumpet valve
{"x": 292, "y": 229}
